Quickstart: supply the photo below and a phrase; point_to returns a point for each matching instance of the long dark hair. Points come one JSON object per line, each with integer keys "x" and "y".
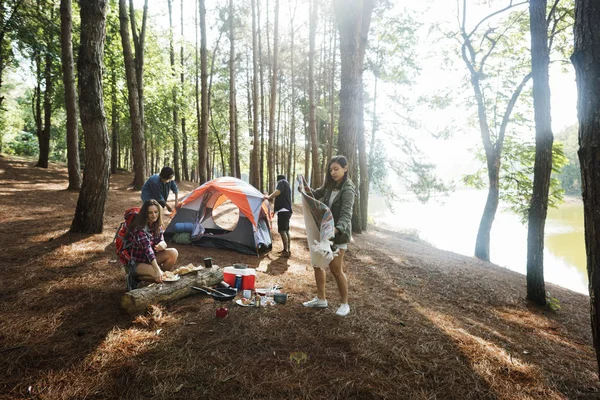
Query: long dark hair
{"x": 141, "y": 219}
{"x": 343, "y": 162}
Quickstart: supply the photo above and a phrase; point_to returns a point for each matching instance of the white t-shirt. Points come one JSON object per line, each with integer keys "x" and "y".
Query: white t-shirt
{"x": 334, "y": 194}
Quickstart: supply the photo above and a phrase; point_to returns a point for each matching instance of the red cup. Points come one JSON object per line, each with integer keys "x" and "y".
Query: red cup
{"x": 221, "y": 312}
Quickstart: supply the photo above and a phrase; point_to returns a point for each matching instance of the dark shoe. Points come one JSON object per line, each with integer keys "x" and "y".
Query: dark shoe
{"x": 286, "y": 254}
{"x": 131, "y": 276}
{"x": 131, "y": 282}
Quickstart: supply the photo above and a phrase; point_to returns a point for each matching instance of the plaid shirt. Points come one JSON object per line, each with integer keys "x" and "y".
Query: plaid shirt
{"x": 143, "y": 245}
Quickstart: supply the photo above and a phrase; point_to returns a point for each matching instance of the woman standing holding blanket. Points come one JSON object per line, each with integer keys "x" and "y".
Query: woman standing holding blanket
{"x": 337, "y": 193}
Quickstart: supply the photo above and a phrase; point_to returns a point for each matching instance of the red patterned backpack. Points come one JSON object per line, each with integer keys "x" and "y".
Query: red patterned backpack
{"x": 121, "y": 243}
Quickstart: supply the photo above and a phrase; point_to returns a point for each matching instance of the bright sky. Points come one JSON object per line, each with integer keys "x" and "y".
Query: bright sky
{"x": 452, "y": 156}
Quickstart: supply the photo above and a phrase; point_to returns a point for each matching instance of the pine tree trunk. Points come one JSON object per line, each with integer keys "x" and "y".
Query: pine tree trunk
{"x": 203, "y": 137}
{"x": 175, "y": 111}
{"x": 540, "y": 59}
{"x": 114, "y": 154}
{"x": 273, "y": 102}
{"x": 586, "y": 60}
{"x": 482, "y": 243}
{"x": 292, "y": 147}
{"x": 233, "y": 159}
{"x": 316, "y": 177}
{"x": 137, "y": 127}
{"x": 330, "y": 134}
{"x": 44, "y": 138}
{"x": 184, "y": 142}
{"x": 353, "y": 19}
{"x": 262, "y": 100}
{"x": 89, "y": 213}
{"x": 138, "y": 42}
{"x": 66, "y": 27}
{"x": 256, "y": 145}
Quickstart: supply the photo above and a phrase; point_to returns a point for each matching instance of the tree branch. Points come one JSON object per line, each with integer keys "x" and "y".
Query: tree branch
{"x": 509, "y": 108}
{"x": 508, "y": 7}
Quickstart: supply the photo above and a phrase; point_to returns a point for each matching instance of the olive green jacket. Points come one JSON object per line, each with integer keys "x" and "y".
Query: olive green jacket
{"x": 341, "y": 209}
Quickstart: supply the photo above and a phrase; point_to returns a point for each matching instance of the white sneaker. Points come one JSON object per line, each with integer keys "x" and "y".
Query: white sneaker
{"x": 316, "y": 302}
{"x": 343, "y": 310}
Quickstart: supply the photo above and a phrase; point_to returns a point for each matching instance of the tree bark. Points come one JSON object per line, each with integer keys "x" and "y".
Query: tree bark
{"x": 256, "y": 145}
{"x": 184, "y": 142}
{"x": 233, "y": 123}
{"x": 66, "y": 27}
{"x": 353, "y": 19}
{"x": 316, "y": 177}
{"x": 273, "y": 103}
{"x": 115, "y": 155}
{"x": 138, "y": 300}
{"x": 586, "y": 60}
{"x": 135, "y": 116}
{"x": 540, "y": 59}
{"x": 203, "y": 128}
{"x": 262, "y": 101}
{"x": 292, "y": 147}
{"x": 89, "y": 213}
{"x": 139, "y": 39}
{"x": 330, "y": 134}
{"x": 208, "y": 109}
{"x": 175, "y": 111}
{"x": 44, "y": 137}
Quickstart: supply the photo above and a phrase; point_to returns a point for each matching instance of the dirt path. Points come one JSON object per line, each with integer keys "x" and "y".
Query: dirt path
{"x": 425, "y": 323}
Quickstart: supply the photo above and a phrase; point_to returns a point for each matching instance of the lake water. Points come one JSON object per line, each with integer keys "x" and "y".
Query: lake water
{"x": 452, "y": 223}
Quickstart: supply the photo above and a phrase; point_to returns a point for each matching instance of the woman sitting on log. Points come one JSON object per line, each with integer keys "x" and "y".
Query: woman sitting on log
{"x": 149, "y": 253}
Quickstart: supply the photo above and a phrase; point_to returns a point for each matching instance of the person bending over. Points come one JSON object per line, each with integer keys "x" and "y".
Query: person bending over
{"x": 150, "y": 256}
{"x": 158, "y": 187}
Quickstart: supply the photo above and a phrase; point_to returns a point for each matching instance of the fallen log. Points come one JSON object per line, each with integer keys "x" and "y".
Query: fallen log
{"x": 138, "y": 300}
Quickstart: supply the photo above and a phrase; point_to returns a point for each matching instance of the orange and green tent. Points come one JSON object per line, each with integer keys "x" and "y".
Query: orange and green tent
{"x": 248, "y": 216}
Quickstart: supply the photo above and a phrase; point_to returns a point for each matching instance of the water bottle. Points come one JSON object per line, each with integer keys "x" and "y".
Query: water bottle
{"x": 238, "y": 283}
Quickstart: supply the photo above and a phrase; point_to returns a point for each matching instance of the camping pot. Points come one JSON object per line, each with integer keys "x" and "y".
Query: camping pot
{"x": 280, "y": 298}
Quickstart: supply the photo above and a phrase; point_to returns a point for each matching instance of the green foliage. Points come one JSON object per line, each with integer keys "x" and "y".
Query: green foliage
{"x": 426, "y": 183}
{"x": 552, "y": 302}
{"x": 561, "y": 25}
{"x": 392, "y": 46}
{"x": 516, "y": 176}
{"x": 23, "y": 144}
{"x": 570, "y": 174}
{"x": 378, "y": 173}
{"x": 419, "y": 177}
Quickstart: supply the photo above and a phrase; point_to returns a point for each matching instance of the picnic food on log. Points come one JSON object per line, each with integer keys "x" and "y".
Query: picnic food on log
{"x": 170, "y": 276}
{"x": 184, "y": 269}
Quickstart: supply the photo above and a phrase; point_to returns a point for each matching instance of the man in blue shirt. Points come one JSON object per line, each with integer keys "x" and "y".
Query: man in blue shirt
{"x": 158, "y": 187}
